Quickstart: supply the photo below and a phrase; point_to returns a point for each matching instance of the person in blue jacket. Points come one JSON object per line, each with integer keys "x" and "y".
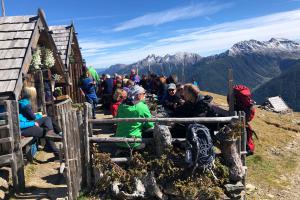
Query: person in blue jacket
{"x": 36, "y": 125}
{"x": 88, "y": 89}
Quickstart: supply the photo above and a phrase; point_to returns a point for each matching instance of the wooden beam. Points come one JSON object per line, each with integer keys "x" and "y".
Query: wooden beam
{"x": 5, "y": 140}
{"x": 178, "y": 120}
{"x": 129, "y": 140}
{"x": 5, "y": 159}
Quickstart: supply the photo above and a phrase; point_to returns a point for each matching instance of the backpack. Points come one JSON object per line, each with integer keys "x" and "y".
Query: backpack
{"x": 199, "y": 147}
{"x": 244, "y": 102}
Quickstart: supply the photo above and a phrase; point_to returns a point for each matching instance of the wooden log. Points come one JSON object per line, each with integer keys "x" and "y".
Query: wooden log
{"x": 178, "y": 120}
{"x": 129, "y": 140}
{"x": 4, "y": 114}
{"x": 87, "y": 145}
{"x": 17, "y": 155}
{"x": 41, "y": 92}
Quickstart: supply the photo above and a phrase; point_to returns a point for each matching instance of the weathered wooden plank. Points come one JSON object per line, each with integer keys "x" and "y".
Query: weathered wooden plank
{"x": 4, "y": 127}
{"x": 11, "y": 63}
{"x": 15, "y": 35}
{"x": 181, "y": 120}
{"x": 129, "y": 140}
{"x": 12, "y": 53}
{"x": 16, "y": 43}
{"x": 58, "y": 27}
{"x": 16, "y": 19}
{"x": 60, "y": 31}
{"x": 5, "y": 140}
{"x": 25, "y": 141}
{"x": 5, "y": 159}
{"x": 60, "y": 39}
{"x": 7, "y": 86}
{"x": 62, "y": 43}
{"x": 16, "y": 27}
{"x": 9, "y": 74}
{"x": 4, "y": 114}
{"x": 59, "y": 35}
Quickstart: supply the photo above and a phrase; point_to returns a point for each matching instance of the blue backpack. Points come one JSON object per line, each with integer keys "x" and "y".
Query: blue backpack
{"x": 199, "y": 147}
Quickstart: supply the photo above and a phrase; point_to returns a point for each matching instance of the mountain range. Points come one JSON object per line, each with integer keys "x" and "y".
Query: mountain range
{"x": 255, "y": 64}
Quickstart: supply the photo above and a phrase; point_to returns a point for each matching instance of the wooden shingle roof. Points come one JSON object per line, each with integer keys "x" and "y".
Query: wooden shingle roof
{"x": 62, "y": 36}
{"x": 15, "y": 36}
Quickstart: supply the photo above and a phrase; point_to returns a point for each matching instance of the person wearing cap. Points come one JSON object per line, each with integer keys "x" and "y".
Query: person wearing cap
{"x": 171, "y": 101}
{"x": 133, "y": 107}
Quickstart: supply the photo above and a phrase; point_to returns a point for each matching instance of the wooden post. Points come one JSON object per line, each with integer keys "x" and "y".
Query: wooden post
{"x": 86, "y": 134}
{"x": 66, "y": 132}
{"x": 81, "y": 147}
{"x": 230, "y": 92}
{"x": 16, "y": 149}
{"x": 244, "y": 144}
{"x": 41, "y": 92}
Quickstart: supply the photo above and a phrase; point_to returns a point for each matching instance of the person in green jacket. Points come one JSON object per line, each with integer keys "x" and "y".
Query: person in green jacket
{"x": 133, "y": 107}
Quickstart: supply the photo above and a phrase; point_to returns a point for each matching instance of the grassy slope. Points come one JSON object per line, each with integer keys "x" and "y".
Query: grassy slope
{"x": 276, "y": 157}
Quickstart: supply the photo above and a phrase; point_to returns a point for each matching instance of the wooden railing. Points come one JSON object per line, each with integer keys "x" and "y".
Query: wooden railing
{"x": 10, "y": 143}
{"x": 89, "y": 138}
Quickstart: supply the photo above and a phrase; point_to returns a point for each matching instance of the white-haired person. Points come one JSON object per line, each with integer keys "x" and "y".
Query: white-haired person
{"x": 134, "y": 107}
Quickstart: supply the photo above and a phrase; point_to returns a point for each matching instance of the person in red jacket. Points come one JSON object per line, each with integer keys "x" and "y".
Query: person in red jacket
{"x": 118, "y": 97}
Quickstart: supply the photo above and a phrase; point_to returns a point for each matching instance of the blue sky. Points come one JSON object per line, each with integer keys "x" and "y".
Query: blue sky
{"x": 124, "y": 31}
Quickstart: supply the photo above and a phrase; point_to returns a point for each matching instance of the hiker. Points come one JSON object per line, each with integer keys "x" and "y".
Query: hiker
{"x": 37, "y": 125}
{"x": 162, "y": 89}
{"x": 128, "y": 84}
{"x": 134, "y": 107}
{"x": 134, "y": 77}
{"x": 195, "y": 105}
{"x": 145, "y": 82}
{"x": 171, "y": 101}
{"x": 119, "y": 96}
{"x": 107, "y": 91}
{"x": 88, "y": 89}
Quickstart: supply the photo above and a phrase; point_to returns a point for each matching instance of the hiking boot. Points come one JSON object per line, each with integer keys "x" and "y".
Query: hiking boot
{"x": 52, "y": 134}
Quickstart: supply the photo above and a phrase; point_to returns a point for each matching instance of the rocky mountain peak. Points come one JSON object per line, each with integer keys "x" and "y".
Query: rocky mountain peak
{"x": 265, "y": 47}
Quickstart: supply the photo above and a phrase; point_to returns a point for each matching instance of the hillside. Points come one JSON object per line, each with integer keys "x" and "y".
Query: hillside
{"x": 285, "y": 85}
{"x": 274, "y": 169}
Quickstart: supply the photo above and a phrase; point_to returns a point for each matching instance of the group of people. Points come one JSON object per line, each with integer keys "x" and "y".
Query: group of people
{"x": 124, "y": 96}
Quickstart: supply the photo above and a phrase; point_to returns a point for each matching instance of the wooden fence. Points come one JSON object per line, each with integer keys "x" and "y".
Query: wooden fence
{"x": 71, "y": 121}
{"x": 88, "y": 136}
{"x": 10, "y": 143}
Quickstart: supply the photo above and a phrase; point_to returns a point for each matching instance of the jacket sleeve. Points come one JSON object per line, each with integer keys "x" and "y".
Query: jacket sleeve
{"x": 26, "y": 124}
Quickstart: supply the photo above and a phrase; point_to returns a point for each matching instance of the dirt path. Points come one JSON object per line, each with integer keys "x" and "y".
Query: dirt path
{"x": 43, "y": 180}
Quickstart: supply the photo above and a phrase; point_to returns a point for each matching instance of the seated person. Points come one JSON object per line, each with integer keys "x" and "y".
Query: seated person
{"x": 195, "y": 105}
{"x": 171, "y": 101}
{"x": 118, "y": 98}
{"x": 36, "y": 125}
{"x": 133, "y": 107}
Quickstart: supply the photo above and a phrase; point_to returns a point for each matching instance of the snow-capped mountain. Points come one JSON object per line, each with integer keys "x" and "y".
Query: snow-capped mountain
{"x": 177, "y": 58}
{"x": 273, "y": 46}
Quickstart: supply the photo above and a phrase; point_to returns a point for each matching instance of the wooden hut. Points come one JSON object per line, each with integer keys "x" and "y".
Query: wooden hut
{"x": 66, "y": 41}
{"x": 20, "y": 36}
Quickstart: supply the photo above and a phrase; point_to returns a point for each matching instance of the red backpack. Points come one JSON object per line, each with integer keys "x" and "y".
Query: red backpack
{"x": 244, "y": 102}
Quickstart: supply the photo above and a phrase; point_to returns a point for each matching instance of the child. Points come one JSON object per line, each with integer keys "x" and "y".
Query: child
{"x": 118, "y": 97}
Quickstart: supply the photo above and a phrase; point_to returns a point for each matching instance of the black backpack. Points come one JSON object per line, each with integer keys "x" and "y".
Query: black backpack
{"x": 199, "y": 147}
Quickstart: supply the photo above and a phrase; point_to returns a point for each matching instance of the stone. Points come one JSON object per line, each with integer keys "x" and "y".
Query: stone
{"x": 250, "y": 187}
{"x": 238, "y": 187}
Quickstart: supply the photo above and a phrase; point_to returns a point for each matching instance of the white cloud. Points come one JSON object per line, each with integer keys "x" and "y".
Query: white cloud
{"x": 170, "y": 15}
{"x": 93, "y": 47}
{"x": 212, "y": 38}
